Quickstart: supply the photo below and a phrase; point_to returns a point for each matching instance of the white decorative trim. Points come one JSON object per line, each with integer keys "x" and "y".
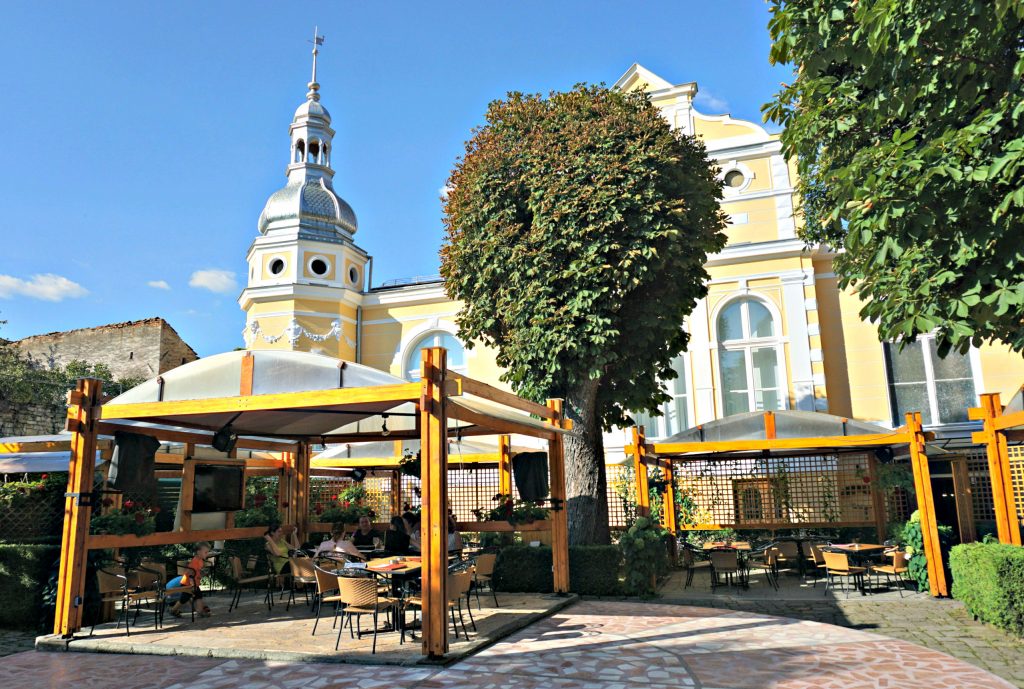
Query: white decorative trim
{"x": 825, "y": 276}
{"x": 735, "y": 166}
{"x": 739, "y": 218}
{"x": 813, "y": 329}
{"x": 817, "y": 355}
{"x": 294, "y": 331}
{"x": 800, "y": 356}
{"x": 761, "y": 194}
{"x": 810, "y": 304}
{"x": 413, "y": 336}
{"x": 327, "y": 262}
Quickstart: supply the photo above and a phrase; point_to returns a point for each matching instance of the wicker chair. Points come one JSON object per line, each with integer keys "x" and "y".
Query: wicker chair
{"x": 303, "y": 575}
{"x": 838, "y": 565}
{"x": 765, "y": 564}
{"x": 241, "y": 579}
{"x": 123, "y": 589}
{"x": 898, "y": 569}
{"x": 458, "y": 588}
{"x": 359, "y": 597}
{"x": 691, "y": 564}
{"x": 326, "y": 592}
{"x": 483, "y": 576}
{"x": 724, "y": 562}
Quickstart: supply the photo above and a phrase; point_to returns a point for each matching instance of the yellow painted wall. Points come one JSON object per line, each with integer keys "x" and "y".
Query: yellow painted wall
{"x": 1002, "y": 370}
{"x": 721, "y": 128}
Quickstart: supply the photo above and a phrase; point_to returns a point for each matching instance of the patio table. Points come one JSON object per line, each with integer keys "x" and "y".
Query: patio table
{"x": 722, "y": 544}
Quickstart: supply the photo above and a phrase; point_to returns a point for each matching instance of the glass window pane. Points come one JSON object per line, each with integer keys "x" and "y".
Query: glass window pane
{"x": 954, "y": 365}
{"x": 649, "y": 423}
{"x": 736, "y": 402}
{"x": 765, "y": 361}
{"x": 730, "y": 323}
{"x": 734, "y": 371}
{"x": 954, "y": 397}
{"x": 678, "y": 386}
{"x": 912, "y": 397}
{"x": 678, "y": 415}
{"x": 766, "y": 400}
{"x": 456, "y": 353}
{"x": 908, "y": 363}
{"x": 761, "y": 324}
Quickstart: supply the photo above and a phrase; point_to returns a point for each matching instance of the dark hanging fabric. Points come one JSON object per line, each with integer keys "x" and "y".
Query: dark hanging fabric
{"x": 132, "y": 465}
{"x": 530, "y": 471}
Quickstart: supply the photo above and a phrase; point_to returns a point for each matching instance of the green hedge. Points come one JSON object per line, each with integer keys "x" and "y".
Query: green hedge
{"x": 593, "y": 570}
{"x": 24, "y": 572}
{"x": 989, "y": 579}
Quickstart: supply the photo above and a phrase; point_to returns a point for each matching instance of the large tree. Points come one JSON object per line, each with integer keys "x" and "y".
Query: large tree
{"x": 906, "y": 118}
{"x": 577, "y": 230}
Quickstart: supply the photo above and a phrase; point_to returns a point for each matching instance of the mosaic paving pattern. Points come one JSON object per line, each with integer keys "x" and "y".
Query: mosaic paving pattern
{"x": 592, "y": 645}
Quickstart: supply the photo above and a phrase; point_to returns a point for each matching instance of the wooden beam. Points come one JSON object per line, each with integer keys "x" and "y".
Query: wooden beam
{"x": 337, "y": 397}
{"x": 434, "y": 495}
{"x": 505, "y": 527}
{"x": 1007, "y": 421}
{"x": 496, "y": 425}
{"x": 477, "y": 388}
{"x": 245, "y": 384}
{"x": 964, "y": 500}
{"x": 108, "y": 541}
{"x": 46, "y": 446}
{"x": 396, "y": 493}
{"x": 393, "y": 462}
{"x": 769, "y": 425}
{"x": 643, "y": 494}
{"x": 505, "y": 464}
{"x": 179, "y": 436}
{"x": 926, "y": 507}
{"x": 838, "y": 441}
{"x": 77, "y": 508}
{"x": 1003, "y": 499}
{"x": 559, "y": 517}
{"x": 301, "y": 491}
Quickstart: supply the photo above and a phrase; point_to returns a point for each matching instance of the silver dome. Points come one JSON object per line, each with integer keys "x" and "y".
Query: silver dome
{"x": 310, "y": 199}
{"x": 313, "y": 108}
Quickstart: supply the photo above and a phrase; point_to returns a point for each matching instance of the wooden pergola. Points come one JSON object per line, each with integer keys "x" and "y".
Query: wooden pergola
{"x": 289, "y": 422}
{"x": 662, "y": 455}
{"x": 999, "y": 431}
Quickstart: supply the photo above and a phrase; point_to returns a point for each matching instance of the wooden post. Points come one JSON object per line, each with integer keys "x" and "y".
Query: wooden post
{"x": 769, "y": 425}
{"x": 285, "y": 486}
{"x": 300, "y": 495}
{"x": 643, "y": 495}
{"x": 926, "y": 507}
{"x": 188, "y": 484}
{"x": 559, "y": 517}
{"x": 83, "y": 406}
{"x": 434, "y": 495}
{"x": 245, "y": 384}
{"x": 1007, "y": 523}
{"x": 505, "y": 465}
{"x": 877, "y": 499}
{"x": 396, "y": 493}
{"x": 964, "y": 500}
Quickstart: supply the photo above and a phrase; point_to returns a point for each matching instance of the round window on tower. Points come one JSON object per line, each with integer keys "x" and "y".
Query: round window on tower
{"x": 276, "y": 266}
{"x": 353, "y": 275}
{"x": 734, "y": 179}
{"x": 319, "y": 266}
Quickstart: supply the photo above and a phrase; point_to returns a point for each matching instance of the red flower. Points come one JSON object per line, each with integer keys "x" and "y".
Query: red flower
{"x": 44, "y": 477}
{"x": 334, "y": 498}
{"x": 865, "y": 479}
{"x": 345, "y": 504}
{"x": 139, "y": 517}
{"x": 129, "y": 504}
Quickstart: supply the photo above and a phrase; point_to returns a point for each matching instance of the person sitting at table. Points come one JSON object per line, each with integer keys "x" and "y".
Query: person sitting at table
{"x": 280, "y": 540}
{"x": 191, "y": 577}
{"x": 396, "y": 540}
{"x": 336, "y": 545}
{"x": 454, "y": 537}
{"x": 365, "y": 536}
{"x": 412, "y": 528}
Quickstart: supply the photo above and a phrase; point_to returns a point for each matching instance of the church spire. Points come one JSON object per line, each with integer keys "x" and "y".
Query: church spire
{"x": 314, "y": 87}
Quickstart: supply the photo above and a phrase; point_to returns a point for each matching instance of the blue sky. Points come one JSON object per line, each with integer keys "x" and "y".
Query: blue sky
{"x": 142, "y": 139}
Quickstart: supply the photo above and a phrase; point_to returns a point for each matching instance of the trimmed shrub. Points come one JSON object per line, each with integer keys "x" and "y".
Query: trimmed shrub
{"x": 593, "y": 570}
{"x": 24, "y": 572}
{"x": 989, "y": 579}
{"x": 913, "y": 539}
{"x": 645, "y": 553}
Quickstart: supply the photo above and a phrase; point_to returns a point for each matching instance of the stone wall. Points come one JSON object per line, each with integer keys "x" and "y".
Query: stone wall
{"x": 31, "y": 419}
{"x": 136, "y": 349}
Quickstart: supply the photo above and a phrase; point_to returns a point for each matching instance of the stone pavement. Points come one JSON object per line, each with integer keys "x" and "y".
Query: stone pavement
{"x": 939, "y": 624}
{"x": 591, "y": 645}
{"x": 15, "y": 641}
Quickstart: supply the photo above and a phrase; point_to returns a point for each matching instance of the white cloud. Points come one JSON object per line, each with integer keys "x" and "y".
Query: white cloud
{"x": 220, "y": 281}
{"x": 158, "y": 284}
{"x": 444, "y": 191}
{"x": 47, "y": 287}
{"x": 711, "y": 102}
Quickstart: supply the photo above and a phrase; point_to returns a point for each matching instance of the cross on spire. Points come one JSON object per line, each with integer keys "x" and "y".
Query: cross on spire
{"x": 317, "y": 42}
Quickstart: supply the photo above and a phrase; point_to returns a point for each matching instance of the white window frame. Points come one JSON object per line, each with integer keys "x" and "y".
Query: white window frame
{"x": 411, "y": 371}
{"x": 929, "y": 382}
{"x": 662, "y": 421}
{"x": 747, "y": 345}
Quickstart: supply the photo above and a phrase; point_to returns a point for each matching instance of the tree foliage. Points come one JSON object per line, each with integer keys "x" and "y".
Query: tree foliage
{"x": 577, "y": 230}
{"x": 905, "y": 118}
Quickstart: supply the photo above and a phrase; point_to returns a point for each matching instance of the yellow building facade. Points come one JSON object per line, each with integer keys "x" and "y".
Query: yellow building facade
{"x": 775, "y": 331}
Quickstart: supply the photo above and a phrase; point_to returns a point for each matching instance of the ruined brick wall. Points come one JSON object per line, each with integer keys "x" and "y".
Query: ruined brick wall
{"x": 30, "y": 419}
{"x": 174, "y": 351}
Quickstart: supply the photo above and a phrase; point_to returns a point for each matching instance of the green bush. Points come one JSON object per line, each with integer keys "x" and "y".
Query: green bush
{"x": 913, "y": 540}
{"x": 645, "y": 555}
{"x": 989, "y": 579}
{"x": 24, "y": 571}
{"x": 593, "y": 570}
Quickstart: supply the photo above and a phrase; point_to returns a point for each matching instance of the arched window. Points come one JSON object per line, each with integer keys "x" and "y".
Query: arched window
{"x": 314, "y": 151}
{"x": 456, "y": 353}
{"x": 748, "y": 355}
{"x": 300, "y": 151}
{"x": 675, "y": 414}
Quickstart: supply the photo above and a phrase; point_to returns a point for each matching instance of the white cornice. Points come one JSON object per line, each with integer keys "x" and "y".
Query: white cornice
{"x": 762, "y": 251}
{"x": 341, "y": 295}
{"x": 407, "y": 295}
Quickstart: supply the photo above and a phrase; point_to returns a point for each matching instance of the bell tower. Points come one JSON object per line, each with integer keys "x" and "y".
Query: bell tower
{"x": 305, "y": 277}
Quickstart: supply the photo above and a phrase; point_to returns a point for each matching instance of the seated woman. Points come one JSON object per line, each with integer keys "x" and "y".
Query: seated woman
{"x": 281, "y": 539}
{"x": 396, "y": 540}
{"x": 336, "y": 545}
{"x": 412, "y": 529}
{"x": 365, "y": 536}
{"x": 191, "y": 577}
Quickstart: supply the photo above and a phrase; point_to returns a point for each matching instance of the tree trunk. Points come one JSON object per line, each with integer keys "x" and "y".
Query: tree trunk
{"x": 585, "y": 480}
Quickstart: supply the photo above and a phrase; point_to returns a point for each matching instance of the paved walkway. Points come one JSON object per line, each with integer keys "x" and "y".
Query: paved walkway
{"x": 591, "y": 645}
{"x": 15, "y": 641}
